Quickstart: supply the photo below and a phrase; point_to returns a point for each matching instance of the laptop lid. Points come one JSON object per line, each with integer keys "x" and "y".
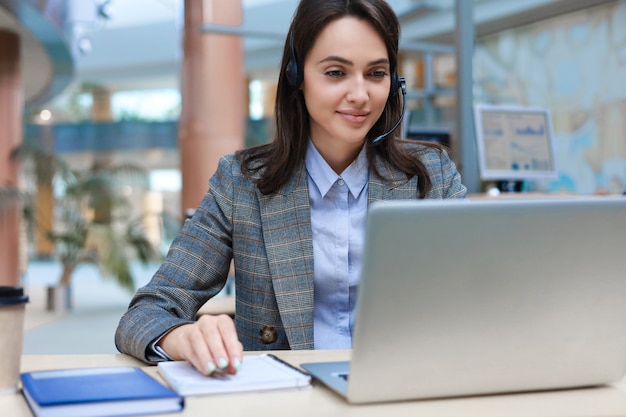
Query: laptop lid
{"x": 479, "y": 297}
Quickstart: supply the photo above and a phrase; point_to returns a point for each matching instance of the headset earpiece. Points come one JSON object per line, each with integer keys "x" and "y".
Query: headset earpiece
{"x": 397, "y": 83}
{"x": 293, "y": 74}
{"x": 292, "y": 71}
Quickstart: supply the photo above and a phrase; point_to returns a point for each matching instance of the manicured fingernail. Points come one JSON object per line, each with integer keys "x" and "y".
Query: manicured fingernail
{"x": 236, "y": 363}
{"x": 222, "y": 363}
{"x": 210, "y": 368}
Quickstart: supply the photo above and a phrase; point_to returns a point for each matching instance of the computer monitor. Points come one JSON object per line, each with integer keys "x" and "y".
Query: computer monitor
{"x": 514, "y": 143}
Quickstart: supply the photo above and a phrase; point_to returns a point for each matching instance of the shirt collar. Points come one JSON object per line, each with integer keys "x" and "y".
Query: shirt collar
{"x": 355, "y": 175}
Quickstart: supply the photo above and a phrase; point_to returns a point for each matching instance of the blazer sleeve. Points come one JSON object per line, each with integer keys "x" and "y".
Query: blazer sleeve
{"x": 194, "y": 270}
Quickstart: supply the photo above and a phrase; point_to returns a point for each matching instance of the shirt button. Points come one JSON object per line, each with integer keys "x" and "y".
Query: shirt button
{"x": 341, "y": 182}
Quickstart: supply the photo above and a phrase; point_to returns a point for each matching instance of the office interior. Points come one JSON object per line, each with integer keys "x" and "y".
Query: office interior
{"x": 171, "y": 85}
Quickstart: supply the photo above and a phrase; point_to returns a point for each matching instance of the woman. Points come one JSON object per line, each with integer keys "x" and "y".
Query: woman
{"x": 291, "y": 213}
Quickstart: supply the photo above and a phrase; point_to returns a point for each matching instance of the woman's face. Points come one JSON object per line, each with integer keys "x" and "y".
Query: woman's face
{"x": 346, "y": 84}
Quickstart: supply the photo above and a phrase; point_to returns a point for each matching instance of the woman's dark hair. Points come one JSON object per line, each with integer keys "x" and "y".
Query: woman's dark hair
{"x": 277, "y": 161}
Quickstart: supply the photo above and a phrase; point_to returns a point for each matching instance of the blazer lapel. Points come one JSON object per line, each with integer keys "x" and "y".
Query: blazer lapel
{"x": 286, "y": 218}
{"x": 395, "y": 186}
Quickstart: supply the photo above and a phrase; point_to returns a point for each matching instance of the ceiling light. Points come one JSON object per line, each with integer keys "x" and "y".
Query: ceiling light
{"x": 83, "y": 43}
{"x": 105, "y": 10}
{"x": 45, "y": 115}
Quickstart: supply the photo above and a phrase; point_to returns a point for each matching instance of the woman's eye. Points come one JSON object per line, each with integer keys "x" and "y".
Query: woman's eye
{"x": 378, "y": 74}
{"x": 334, "y": 73}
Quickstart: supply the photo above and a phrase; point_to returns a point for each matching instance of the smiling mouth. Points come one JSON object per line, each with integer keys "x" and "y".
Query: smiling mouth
{"x": 354, "y": 117}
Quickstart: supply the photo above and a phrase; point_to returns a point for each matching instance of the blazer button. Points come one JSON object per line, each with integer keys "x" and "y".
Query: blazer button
{"x": 268, "y": 335}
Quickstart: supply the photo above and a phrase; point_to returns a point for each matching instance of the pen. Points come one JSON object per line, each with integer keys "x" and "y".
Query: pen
{"x": 276, "y": 358}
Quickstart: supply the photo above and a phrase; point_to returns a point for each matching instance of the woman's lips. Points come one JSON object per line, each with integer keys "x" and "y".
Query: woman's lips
{"x": 354, "y": 117}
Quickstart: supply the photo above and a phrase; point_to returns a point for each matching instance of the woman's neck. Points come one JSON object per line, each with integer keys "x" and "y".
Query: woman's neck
{"x": 338, "y": 156}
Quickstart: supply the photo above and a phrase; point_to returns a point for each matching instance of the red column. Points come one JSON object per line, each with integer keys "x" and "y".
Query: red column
{"x": 10, "y": 137}
{"x": 212, "y": 121}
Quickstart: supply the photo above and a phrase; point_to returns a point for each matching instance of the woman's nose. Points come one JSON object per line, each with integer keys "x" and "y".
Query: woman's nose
{"x": 358, "y": 90}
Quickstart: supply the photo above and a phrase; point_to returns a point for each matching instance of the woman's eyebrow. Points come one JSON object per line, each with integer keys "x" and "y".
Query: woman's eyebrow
{"x": 382, "y": 61}
{"x": 334, "y": 58}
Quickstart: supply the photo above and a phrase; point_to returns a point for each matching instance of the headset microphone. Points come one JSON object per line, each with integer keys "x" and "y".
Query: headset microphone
{"x": 402, "y": 85}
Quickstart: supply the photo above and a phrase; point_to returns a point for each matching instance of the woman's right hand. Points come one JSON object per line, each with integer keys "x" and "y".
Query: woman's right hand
{"x": 209, "y": 344}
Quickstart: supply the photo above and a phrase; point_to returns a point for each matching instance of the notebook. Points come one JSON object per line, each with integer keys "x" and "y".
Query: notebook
{"x": 97, "y": 392}
{"x": 262, "y": 372}
{"x": 467, "y": 297}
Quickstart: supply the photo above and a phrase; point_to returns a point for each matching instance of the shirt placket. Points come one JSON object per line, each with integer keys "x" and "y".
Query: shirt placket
{"x": 342, "y": 236}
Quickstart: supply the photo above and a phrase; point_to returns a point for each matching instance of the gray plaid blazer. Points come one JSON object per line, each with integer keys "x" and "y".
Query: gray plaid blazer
{"x": 269, "y": 238}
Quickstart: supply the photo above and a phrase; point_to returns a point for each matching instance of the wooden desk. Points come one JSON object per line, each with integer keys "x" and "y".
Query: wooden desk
{"x": 318, "y": 401}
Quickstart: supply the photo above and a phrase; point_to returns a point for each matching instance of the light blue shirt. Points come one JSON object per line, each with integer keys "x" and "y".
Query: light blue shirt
{"x": 338, "y": 213}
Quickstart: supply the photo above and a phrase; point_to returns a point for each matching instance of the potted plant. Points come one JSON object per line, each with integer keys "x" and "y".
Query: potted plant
{"x": 9, "y": 195}
{"x": 92, "y": 221}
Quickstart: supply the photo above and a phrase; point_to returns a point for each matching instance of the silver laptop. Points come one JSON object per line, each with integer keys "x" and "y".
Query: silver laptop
{"x": 480, "y": 297}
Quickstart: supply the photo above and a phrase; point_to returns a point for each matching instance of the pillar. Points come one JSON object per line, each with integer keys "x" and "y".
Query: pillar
{"x": 102, "y": 110}
{"x": 10, "y": 137}
{"x": 464, "y": 42}
{"x": 213, "y": 88}
{"x": 44, "y": 204}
